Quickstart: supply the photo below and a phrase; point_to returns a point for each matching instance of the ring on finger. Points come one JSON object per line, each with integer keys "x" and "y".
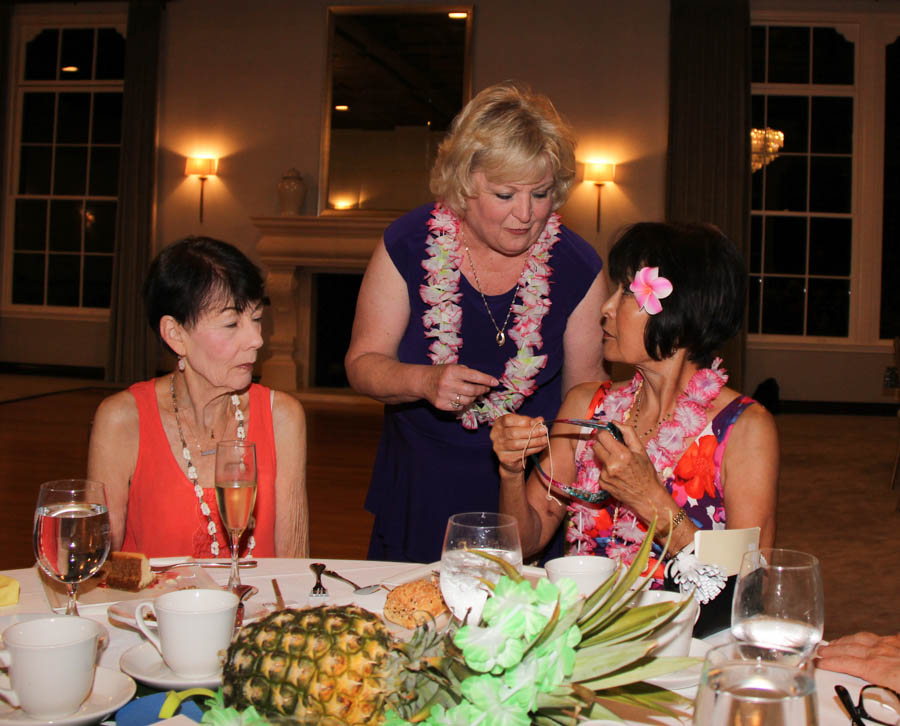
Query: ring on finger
{"x": 456, "y": 403}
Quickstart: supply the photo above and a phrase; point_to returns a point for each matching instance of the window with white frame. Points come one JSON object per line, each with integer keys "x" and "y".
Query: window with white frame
{"x": 63, "y": 182}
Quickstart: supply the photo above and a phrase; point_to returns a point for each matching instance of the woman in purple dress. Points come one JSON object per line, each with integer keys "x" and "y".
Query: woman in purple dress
{"x": 479, "y": 305}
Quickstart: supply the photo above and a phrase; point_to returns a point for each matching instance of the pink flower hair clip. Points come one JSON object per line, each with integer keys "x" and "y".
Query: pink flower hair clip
{"x": 648, "y": 288}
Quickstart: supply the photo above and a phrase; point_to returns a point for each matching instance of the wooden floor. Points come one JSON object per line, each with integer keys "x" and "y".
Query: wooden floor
{"x": 834, "y": 499}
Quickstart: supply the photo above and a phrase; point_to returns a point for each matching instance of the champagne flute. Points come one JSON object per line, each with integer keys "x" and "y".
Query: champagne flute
{"x": 71, "y": 532}
{"x": 462, "y": 566}
{"x": 778, "y": 600}
{"x": 235, "y": 495}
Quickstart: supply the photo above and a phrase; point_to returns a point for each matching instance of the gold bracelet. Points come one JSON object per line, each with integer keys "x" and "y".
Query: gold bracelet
{"x": 679, "y": 518}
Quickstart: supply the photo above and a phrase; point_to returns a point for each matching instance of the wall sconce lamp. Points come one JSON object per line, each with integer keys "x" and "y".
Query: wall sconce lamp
{"x": 599, "y": 174}
{"x": 202, "y": 168}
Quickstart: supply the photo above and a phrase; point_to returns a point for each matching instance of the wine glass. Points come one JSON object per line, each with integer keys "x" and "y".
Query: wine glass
{"x": 71, "y": 532}
{"x": 235, "y": 495}
{"x": 778, "y": 600}
{"x": 462, "y": 566}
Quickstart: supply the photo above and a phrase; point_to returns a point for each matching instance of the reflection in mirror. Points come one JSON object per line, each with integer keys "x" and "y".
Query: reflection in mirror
{"x": 397, "y": 81}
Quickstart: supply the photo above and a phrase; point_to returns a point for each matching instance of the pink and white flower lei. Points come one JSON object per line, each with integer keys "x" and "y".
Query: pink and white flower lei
{"x": 443, "y": 320}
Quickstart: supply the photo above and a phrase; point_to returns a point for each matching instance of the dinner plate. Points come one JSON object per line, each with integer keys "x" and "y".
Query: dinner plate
{"x": 145, "y": 711}
{"x": 111, "y": 691}
{"x": 687, "y": 678}
{"x": 144, "y": 663}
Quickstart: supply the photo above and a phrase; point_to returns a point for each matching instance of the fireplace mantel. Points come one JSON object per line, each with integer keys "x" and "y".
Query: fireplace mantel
{"x": 293, "y": 249}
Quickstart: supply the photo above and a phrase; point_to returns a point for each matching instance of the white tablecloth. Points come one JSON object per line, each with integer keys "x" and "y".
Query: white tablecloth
{"x": 295, "y": 580}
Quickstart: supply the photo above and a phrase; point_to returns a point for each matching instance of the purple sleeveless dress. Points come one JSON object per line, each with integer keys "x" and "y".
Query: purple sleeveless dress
{"x": 428, "y": 466}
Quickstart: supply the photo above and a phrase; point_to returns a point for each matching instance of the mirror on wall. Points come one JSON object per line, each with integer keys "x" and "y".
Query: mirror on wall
{"x": 397, "y": 78}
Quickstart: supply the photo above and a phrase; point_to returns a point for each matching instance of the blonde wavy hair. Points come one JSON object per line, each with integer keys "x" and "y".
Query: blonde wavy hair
{"x": 510, "y": 134}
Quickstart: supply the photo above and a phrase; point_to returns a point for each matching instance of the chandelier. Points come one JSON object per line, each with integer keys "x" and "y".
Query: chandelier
{"x": 764, "y": 146}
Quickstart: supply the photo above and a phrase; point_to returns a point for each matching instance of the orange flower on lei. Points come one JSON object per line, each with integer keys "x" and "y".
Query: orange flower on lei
{"x": 696, "y": 472}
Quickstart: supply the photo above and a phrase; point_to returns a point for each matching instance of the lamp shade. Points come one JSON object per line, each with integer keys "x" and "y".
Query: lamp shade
{"x": 599, "y": 173}
{"x": 200, "y": 167}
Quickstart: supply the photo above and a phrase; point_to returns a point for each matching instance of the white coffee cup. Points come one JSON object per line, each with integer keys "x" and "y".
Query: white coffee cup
{"x": 675, "y": 638}
{"x": 193, "y": 629}
{"x": 587, "y": 572}
{"x": 51, "y": 664}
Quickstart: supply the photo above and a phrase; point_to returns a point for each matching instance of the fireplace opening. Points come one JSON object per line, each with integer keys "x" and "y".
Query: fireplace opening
{"x": 334, "y": 305}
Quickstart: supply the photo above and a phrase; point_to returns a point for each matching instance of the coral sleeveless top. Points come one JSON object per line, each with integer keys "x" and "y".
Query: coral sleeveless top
{"x": 164, "y": 517}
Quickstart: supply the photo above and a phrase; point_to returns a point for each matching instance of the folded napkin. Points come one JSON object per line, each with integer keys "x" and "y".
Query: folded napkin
{"x": 9, "y": 591}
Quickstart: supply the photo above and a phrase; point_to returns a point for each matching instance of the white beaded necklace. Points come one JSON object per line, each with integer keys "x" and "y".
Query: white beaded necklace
{"x": 192, "y": 470}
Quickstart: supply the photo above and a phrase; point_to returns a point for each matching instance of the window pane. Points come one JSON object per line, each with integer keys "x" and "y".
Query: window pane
{"x": 785, "y": 245}
{"x": 829, "y": 184}
{"x": 832, "y": 126}
{"x": 34, "y": 170}
{"x": 99, "y": 226}
{"x": 758, "y": 54}
{"x": 786, "y": 184}
{"x": 107, "y": 118}
{"x": 890, "y": 249}
{"x": 110, "y": 54}
{"x": 73, "y": 120}
{"x": 65, "y": 225}
{"x": 756, "y": 190}
{"x": 63, "y": 273}
{"x": 756, "y": 224}
{"x": 97, "y": 281}
{"x": 782, "y": 306}
{"x": 71, "y": 170}
{"x": 758, "y": 112}
{"x": 755, "y": 291}
{"x": 28, "y": 279}
{"x": 790, "y": 115}
{"x": 788, "y": 55}
{"x": 828, "y": 310}
{"x": 77, "y": 52}
{"x": 832, "y": 57}
{"x": 37, "y": 118}
{"x": 31, "y": 224}
{"x": 40, "y": 56}
{"x": 830, "y": 245}
{"x": 104, "y": 172}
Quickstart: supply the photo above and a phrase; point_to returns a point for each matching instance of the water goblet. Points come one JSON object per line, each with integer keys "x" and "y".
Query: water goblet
{"x": 462, "y": 568}
{"x": 235, "y": 495}
{"x": 778, "y": 600}
{"x": 71, "y": 533}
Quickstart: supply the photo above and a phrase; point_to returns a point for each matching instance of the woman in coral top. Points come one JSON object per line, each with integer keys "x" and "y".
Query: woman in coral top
{"x": 694, "y": 455}
{"x": 154, "y": 444}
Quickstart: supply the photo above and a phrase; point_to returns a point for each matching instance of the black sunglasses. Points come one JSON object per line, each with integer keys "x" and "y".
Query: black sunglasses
{"x": 875, "y": 704}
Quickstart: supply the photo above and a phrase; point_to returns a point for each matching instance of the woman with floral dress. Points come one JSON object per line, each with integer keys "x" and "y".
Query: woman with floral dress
{"x": 694, "y": 454}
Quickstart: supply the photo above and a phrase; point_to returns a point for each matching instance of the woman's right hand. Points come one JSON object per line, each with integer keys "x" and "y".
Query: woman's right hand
{"x": 515, "y": 437}
{"x": 453, "y": 387}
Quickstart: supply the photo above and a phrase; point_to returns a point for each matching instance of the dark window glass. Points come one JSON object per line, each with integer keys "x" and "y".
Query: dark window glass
{"x": 97, "y": 281}
{"x": 99, "y": 226}
{"x": 830, "y": 245}
{"x": 34, "y": 169}
{"x": 890, "y": 241}
{"x": 755, "y": 291}
{"x": 110, "y": 54}
{"x": 832, "y": 125}
{"x": 756, "y": 190}
{"x": 40, "y": 56}
{"x": 785, "y": 245}
{"x": 828, "y": 308}
{"x": 758, "y": 112}
{"x": 830, "y": 183}
{"x": 65, "y": 225}
{"x": 790, "y": 115}
{"x": 71, "y": 170}
{"x": 37, "y": 118}
{"x": 782, "y": 306}
{"x": 63, "y": 276}
{"x": 788, "y": 55}
{"x": 756, "y": 225}
{"x": 786, "y": 184}
{"x": 73, "y": 118}
{"x": 77, "y": 52}
{"x": 31, "y": 224}
{"x": 28, "y": 279}
{"x": 832, "y": 57}
{"x": 107, "y": 118}
{"x": 104, "y": 172}
{"x": 758, "y": 54}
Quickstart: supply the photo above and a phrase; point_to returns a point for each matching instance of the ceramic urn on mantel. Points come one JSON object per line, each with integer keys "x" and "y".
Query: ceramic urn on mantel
{"x": 291, "y": 194}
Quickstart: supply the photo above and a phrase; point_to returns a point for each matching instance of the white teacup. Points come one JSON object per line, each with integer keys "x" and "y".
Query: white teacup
{"x": 194, "y": 629}
{"x": 675, "y": 638}
{"x": 587, "y": 572}
{"x": 51, "y": 664}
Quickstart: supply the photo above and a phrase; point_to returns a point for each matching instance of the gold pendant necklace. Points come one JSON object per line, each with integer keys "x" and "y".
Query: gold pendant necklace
{"x": 501, "y": 332}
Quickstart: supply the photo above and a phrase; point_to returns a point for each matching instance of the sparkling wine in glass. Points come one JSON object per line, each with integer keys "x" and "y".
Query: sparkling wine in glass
{"x": 462, "y": 566}
{"x": 235, "y": 495}
{"x": 778, "y": 600}
{"x": 71, "y": 532}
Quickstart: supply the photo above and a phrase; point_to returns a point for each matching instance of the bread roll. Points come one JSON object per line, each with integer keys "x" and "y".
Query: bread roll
{"x": 414, "y": 603}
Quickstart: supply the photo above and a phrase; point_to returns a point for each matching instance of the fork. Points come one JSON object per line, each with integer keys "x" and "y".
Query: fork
{"x": 318, "y": 589}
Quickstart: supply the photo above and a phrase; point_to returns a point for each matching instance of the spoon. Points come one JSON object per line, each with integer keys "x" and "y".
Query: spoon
{"x": 357, "y": 590}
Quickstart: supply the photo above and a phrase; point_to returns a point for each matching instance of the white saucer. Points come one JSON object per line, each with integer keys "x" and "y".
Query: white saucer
{"x": 111, "y": 691}
{"x": 689, "y": 677}
{"x": 144, "y": 663}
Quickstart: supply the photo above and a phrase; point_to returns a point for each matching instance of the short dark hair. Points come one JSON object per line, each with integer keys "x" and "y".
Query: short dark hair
{"x": 709, "y": 280}
{"x": 191, "y": 274}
